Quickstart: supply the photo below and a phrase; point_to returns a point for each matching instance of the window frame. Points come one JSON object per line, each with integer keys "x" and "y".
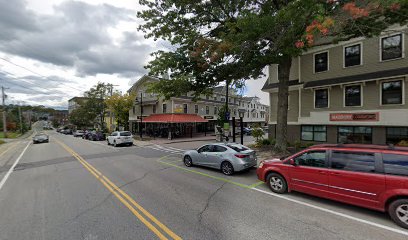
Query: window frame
{"x": 314, "y": 61}
{"x": 361, "y": 54}
{"x": 185, "y": 108}
{"x": 353, "y": 126}
{"x": 164, "y": 107}
{"x": 361, "y": 94}
{"x": 402, "y": 46}
{"x": 387, "y": 130}
{"x": 314, "y": 98}
{"x": 313, "y": 132}
{"x": 207, "y": 110}
{"x": 196, "y": 110}
{"x": 402, "y": 92}
{"x": 154, "y": 109}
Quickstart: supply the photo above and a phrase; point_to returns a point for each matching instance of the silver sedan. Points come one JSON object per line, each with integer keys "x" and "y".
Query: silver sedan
{"x": 228, "y": 157}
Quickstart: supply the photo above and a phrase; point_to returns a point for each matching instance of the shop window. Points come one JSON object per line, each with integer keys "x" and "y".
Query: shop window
{"x": 391, "y": 92}
{"x": 348, "y": 134}
{"x": 314, "y": 133}
{"x": 352, "y": 96}
{"x": 196, "y": 109}
{"x": 207, "y": 110}
{"x": 391, "y": 47}
{"x": 352, "y": 55}
{"x": 154, "y": 108}
{"x": 397, "y": 134}
{"x": 134, "y": 109}
{"x": 321, "y": 62}
{"x": 215, "y": 110}
{"x": 321, "y": 98}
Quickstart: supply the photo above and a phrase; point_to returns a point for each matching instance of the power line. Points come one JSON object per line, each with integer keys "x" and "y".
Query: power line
{"x": 16, "y": 84}
{"x": 36, "y": 73}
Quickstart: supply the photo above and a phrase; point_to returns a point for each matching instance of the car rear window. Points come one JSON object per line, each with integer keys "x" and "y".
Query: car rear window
{"x": 396, "y": 164}
{"x": 125, "y": 134}
{"x": 353, "y": 161}
{"x": 238, "y": 148}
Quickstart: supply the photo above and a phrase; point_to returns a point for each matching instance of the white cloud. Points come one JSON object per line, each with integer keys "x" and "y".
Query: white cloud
{"x": 71, "y": 46}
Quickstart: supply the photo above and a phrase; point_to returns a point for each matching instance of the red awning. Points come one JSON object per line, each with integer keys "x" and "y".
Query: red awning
{"x": 174, "y": 118}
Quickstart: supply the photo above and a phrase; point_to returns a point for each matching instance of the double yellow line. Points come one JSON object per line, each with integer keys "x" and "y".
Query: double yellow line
{"x": 124, "y": 198}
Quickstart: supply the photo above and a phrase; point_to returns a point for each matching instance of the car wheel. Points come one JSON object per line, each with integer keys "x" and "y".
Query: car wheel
{"x": 187, "y": 161}
{"x": 108, "y": 142}
{"x": 227, "y": 168}
{"x": 398, "y": 211}
{"x": 114, "y": 144}
{"x": 277, "y": 183}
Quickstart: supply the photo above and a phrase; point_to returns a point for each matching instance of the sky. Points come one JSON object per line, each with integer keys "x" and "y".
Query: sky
{"x": 53, "y": 50}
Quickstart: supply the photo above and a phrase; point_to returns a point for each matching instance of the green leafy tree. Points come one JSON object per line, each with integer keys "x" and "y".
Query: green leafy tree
{"x": 95, "y": 105}
{"x": 221, "y": 119}
{"x": 120, "y": 105}
{"x": 233, "y": 41}
{"x": 81, "y": 118}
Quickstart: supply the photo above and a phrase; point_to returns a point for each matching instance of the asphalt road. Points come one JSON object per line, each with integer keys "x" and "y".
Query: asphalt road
{"x": 76, "y": 189}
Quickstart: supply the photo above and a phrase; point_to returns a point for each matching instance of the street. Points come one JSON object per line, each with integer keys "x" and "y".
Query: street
{"x": 72, "y": 188}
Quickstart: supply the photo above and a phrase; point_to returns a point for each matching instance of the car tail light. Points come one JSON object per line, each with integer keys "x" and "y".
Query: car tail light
{"x": 241, "y": 155}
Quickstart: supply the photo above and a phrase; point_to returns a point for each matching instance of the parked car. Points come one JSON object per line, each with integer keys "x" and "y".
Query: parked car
{"x": 94, "y": 136}
{"x": 40, "y": 138}
{"x": 370, "y": 176}
{"x": 120, "y": 138}
{"x": 79, "y": 133}
{"x": 247, "y": 130}
{"x": 228, "y": 157}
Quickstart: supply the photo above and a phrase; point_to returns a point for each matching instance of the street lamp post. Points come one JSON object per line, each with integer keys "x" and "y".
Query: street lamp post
{"x": 241, "y": 123}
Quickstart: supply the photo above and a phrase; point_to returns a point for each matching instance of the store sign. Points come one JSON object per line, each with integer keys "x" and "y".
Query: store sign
{"x": 362, "y": 117}
{"x": 208, "y": 117}
{"x": 178, "y": 108}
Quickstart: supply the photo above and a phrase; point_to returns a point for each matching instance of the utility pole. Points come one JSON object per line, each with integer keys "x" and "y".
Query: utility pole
{"x": 4, "y": 112}
{"x": 110, "y": 112}
{"x": 141, "y": 116}
{"x": 19, "y": 116}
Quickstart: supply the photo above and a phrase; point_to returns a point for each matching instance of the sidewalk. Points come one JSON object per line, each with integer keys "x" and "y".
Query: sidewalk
{"x": 161, "y": 141}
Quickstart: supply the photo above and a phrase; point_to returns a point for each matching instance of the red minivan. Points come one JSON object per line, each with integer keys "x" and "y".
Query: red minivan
{"x": 371, "y": 176}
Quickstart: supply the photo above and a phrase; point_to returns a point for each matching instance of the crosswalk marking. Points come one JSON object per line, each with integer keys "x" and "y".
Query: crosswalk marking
{"x": 166, "y": 149}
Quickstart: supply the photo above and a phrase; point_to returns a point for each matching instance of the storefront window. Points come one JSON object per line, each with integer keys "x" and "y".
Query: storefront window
{"x": 195, "y": 108}
{"x": 185, "y": 110}
{"x": 207, "y": 110}
{"x": 314, "y": 133}
{"x": 354, "y": 134}
{"x": 397, "y": 134}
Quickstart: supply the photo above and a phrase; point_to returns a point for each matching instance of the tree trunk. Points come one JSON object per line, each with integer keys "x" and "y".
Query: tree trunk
{"x": 282, "y": 111}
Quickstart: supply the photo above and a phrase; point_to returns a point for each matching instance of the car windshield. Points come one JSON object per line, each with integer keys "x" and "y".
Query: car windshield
{"x": 237, "y": 148}
{"x": 125, "y": 134}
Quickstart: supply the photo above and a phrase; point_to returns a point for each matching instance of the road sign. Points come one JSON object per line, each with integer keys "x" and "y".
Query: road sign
{"x": 227, "y": 115}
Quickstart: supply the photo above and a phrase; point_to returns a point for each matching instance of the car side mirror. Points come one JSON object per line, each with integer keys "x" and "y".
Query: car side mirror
{"x": 292, "y": 162}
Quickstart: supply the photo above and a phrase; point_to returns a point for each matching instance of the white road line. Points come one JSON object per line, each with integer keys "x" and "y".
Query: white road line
{"x": 335, "y": 213}
{"x": 168, "y": 149}
{"x": 163, "y": 150}
{"x": 176, "y": 148}
{"x": 13, "y": 166}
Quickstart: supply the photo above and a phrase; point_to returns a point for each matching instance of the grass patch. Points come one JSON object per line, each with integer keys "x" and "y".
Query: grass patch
{"x": 10, "y": 134}
{"x": 1, "y": 141}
